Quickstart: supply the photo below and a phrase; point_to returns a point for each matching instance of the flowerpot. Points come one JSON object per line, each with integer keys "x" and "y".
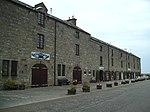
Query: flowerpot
{"x": 115, "y": 83}
{"x": 123, "y": 82}
{"x": 21, "y": 87}
{"x": 127, "y": 81}
{"x": 74, "y": 83}
{"x": 86, "y": 89}
{"x": 71, "y": 92}
{"x": 99, "y": 86}
{"x": 14, "y": 87}
{"x": 109, "y": 84}
{"x": 132, "y": 80}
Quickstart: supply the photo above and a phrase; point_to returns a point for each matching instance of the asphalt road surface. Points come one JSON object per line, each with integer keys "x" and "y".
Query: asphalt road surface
{"x": 129, "y": 98}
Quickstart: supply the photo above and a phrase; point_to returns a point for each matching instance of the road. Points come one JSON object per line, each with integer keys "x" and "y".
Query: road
{"x": 130, "y": 98}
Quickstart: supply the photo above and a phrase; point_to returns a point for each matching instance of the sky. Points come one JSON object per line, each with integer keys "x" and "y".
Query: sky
{"x": 122, "y": 23}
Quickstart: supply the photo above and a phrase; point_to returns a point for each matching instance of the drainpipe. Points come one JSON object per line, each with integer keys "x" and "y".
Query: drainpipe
{"x": 108, "y": 57}
{"x": 126, "y": 64}
{"x": 108, "y": 63}
{"x": 55, "y": 55}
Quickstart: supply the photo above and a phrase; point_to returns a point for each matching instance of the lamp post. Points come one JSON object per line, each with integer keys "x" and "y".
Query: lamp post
{"x": 101, "y": 72}
{"x": 129, "y": 70}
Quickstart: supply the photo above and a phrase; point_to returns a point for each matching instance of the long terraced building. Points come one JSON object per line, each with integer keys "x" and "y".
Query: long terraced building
{"x": 38, "y": 48}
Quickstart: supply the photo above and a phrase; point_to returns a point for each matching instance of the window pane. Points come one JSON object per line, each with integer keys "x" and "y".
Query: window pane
{"x": 5, "y": 68}
{"x": 101, "y": 48}
{"x": 77, "y": 34}
{"x": 40, "y": 41}
{"x": 41, "y": 18}
{"x": 77, "y": 49}
{"x": 101, "y": 60}
{"x": 112, "y": 52}
{"x": 59, "y": 69}
{"x": 121, "y": 55}
{"x": 63, "y": 70}
{"x": 121, "y": 64}
{"x": 112, "y": 62}
{"x": 128, "y": 65}
{"x": 14, "y": 68}
{"x": 93, "y": 73}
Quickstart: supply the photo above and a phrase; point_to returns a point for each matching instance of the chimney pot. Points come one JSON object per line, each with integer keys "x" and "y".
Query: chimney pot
{"x": 72, "y": 21}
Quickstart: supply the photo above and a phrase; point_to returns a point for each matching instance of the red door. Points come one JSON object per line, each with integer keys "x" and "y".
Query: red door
{"x": 39, "y": 75}
{"x": 77, "y": 74}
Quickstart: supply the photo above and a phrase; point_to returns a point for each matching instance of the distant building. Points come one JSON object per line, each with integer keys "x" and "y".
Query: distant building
{"x": 38, "y": 49}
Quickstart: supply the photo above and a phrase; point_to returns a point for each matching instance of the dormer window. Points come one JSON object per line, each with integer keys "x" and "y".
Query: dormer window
{"x": 41, "y": 18}
{"x": 41, "y": 12}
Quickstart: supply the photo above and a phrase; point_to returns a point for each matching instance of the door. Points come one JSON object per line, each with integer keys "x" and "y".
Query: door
{"x": 77, "y": 74}
{"x": 99, "y": 75}
{"x": 39, "y": 75}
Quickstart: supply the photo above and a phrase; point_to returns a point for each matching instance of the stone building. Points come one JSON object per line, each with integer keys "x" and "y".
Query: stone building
{"x": 38, "y": 49}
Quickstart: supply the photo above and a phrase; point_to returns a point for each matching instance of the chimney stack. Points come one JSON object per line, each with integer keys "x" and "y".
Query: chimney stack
{"x": 72, "y": 20}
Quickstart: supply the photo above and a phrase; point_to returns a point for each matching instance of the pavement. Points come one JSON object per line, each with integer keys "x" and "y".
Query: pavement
{"x": 14, "y": 98}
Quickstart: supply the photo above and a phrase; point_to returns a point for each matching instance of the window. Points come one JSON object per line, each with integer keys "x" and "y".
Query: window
{"x": 101, "y": 60}
{"x": 121, "y": 55}
{"x": 112, "y": 52}
{"x": 112, "y": 62}
{"x": 77, "y": 49}
{"x": 40, "y": 41}
{"x": 61, "y": 70}
{"x": 138, "y": 66}
{"x": 121, "y": 64}
{"x": 5, "y": 68}
{"x": 93, "y": 73}
{"x": 128, "y": 65}
{"x": 41, "y": 19}
{"x": 84, "y": 72}
{"x": 14, "y": 68}
{"x": 134, "y": 60}
{"x": 101, "y": 48}
{"x": 77, "y": 35}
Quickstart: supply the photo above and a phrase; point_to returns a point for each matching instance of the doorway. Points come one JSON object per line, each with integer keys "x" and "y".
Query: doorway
{"x": 39, "y": 75}
{"x": 77, "y": 74}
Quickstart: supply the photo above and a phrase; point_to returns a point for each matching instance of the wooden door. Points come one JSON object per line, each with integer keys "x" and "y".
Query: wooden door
{"x": 77, "y": 74}
{"x": 39, "y": 75}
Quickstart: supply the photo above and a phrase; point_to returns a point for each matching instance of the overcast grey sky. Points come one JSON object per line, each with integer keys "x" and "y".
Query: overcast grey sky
{"x": 123, "y": 23}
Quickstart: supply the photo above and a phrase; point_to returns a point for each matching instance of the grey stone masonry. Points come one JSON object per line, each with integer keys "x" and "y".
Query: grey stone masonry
{"x": 73, "y": 53}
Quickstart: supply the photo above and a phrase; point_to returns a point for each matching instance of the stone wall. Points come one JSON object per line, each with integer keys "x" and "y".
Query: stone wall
{"x": 19, "y": 29}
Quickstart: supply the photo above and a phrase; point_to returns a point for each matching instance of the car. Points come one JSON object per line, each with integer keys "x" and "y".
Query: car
{"x": 133, "y": 81}
{"x": 127, "y": 81}
{"x": 123, "y": 82}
